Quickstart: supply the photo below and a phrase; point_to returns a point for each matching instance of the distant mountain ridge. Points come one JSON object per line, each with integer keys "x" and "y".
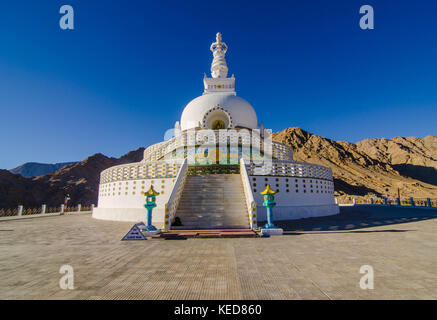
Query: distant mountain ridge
{"x": 80, "y": 180}
{"x": 35, "y": 169}
{"x": 372, "y": 167}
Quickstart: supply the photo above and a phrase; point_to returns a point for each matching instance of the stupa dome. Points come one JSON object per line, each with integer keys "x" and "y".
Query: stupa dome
{"x": 203, "y": 111}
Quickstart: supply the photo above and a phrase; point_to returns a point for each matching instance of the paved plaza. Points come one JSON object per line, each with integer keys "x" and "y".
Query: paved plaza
{"x": 316, "y": 258}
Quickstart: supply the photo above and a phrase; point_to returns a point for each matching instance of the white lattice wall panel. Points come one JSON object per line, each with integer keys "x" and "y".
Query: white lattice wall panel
{"x": 289, "y": 169}
{"x": 141, "y": 170}
{"x": 191, "y": 138}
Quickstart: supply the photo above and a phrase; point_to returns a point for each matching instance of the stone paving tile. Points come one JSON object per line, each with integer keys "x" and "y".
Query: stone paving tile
{"x": 300, "y": 265}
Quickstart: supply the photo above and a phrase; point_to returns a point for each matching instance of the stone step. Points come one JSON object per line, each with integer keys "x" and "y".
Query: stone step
{"x": 211, "y": 180}
{"x": 211, "y": 206}
{"x": 218, "y": 217}
{"x": 217, "y": 226}
{"x": 213, "y": 196}
{"x": 205, "y": 213}
{"x": 213, "y": 189}
{"x": 211, "y": 209}
{"x": 213, "y": 201}
{"x": 215, "y": 176}
{"x": 211, "y": 186}
{"x": 212, "y": 216}
{"x": 229, "y": 198}
{"x": 209, "y": 233}
{"x": 226, "y": 200}
{"x": 199, "y": 193}
{"x": 214, "y": 222}
{"x": 190, "y": 220}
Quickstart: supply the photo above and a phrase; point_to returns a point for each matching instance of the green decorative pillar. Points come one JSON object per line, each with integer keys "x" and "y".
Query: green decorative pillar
{"x": 269, "y": 202}
{"x": 150, "y": 204}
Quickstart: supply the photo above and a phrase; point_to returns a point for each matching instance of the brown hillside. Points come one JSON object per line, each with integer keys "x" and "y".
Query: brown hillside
{"x": 80, "y": 180}
{"x": 371, "y": 166}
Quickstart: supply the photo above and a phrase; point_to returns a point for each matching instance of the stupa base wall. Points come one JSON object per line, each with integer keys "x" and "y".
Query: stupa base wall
{"x": 130, "y": 215}
{"x": 298, "y": 212}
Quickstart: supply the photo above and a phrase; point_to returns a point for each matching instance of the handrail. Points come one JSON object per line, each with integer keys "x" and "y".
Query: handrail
{"x": 250, "y": 202}
{"x": 173, "y": 201}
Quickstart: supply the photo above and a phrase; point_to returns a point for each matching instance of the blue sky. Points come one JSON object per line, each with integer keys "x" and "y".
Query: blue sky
{"x": 122, "y": 77}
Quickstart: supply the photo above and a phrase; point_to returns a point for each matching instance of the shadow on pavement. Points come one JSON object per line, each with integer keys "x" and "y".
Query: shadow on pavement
{"x": 358, "y": 217}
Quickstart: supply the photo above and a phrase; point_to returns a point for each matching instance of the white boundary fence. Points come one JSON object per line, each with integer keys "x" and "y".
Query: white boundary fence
{"x": 24, "y": 213}
{"x": 396, "y": 202}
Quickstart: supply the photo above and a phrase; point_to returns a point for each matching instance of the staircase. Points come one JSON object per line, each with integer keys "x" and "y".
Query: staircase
{"x": 213, "y": 201}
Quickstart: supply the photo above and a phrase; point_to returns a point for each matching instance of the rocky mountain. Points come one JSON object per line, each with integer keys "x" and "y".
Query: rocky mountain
{"x": 35, "y": 169}
{"x": 371, "y": 167}
{"x": 80, "y": 180}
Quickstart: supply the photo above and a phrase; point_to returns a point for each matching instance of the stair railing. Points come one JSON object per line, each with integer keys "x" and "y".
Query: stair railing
{"x": 173, "y": 201}
{"x": 250, "y": 202}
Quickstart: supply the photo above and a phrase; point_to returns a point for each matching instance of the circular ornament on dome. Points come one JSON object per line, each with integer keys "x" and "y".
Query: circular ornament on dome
{"x": 217, "y": 118}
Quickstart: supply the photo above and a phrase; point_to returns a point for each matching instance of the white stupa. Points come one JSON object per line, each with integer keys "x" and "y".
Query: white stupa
{"x": 211, "y": 173}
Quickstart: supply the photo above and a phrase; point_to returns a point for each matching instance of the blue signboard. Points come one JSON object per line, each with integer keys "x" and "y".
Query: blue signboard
{"x": 135, "y": 233}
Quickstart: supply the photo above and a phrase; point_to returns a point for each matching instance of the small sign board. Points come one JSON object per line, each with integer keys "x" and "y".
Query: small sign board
{"x": 135, "y": 233}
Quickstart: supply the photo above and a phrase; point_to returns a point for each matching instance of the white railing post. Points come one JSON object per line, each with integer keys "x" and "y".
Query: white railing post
{"x": 173, "y": 201}
{"x": 43, "y": 209}
{"x": 79, "y": 207}
{"x": 62, "y": 208}
{"x": 20, "y": 210}
{"x": 92, "y": 207}
{"x": 250, "y": 202}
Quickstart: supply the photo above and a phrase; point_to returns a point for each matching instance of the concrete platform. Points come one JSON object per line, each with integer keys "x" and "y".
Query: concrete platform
{"x": 318, "y": 258}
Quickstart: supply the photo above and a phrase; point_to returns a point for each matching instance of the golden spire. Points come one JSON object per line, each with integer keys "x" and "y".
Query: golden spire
{"x": 269, "y": 190}
{"x": 151, "y": 192}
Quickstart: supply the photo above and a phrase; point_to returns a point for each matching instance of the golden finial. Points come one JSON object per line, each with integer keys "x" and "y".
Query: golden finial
{"x": 269, "y": 190}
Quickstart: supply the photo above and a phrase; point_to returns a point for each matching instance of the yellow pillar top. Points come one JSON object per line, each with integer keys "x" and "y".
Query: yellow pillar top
{"x": 151, "y": 192}
{"x": 269, "y": 190}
